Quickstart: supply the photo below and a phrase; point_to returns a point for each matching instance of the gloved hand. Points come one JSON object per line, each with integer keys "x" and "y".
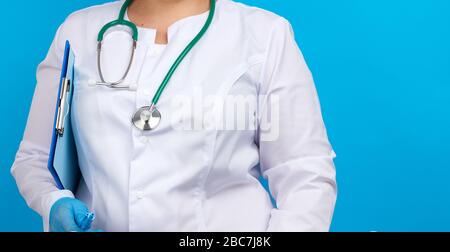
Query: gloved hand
{"x": 70, "y": 215}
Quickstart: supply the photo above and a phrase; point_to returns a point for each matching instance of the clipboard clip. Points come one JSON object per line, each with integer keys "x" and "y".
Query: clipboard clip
{"x": 63, "y": 102}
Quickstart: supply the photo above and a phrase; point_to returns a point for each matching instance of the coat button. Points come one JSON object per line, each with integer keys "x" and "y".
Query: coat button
{"x": 139, "y": 194}
{"x": 143, "y": 139}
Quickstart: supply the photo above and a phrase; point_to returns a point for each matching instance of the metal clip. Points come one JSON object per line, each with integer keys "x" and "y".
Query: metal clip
{"x": 61, "y": 108}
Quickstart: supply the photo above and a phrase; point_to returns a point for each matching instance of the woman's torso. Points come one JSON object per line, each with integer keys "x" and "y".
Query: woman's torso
{"x": 198, "y": 171}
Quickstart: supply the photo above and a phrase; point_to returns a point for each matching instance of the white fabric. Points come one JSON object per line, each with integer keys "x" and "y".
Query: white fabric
{"x": 180, "y": 178}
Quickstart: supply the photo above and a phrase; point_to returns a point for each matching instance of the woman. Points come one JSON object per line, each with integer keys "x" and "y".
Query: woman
{"x": 198, "y": 169}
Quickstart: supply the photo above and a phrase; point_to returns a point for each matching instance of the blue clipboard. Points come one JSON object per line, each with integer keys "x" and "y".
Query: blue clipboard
{"x": 63, "y": 158}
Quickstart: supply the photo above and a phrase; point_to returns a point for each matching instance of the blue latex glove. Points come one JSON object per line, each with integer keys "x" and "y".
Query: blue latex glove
{"x": 70, "y": 215}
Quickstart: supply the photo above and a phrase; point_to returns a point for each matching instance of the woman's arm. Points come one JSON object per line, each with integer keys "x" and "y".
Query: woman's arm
{"x": 296, "y": 156}
{"x": 35, "y": 182}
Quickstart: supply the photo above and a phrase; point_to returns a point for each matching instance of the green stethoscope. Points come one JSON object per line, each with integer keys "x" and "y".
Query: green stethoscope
{"x": 148, "y": 117}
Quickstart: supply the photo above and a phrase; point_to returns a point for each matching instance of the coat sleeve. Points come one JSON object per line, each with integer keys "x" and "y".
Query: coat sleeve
{"x": 29, "y": 169}
{"x": 295, "y": 154}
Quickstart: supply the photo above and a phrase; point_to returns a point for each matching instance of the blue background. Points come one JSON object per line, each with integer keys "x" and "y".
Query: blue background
{"x": 382, "y": 70}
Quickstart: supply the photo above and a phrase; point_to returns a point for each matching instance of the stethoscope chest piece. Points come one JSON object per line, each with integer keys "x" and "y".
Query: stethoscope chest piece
{"x": 146, "y": 118}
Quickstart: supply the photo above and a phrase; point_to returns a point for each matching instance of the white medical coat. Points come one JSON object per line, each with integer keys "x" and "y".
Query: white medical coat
{"x": 180, "y": 178}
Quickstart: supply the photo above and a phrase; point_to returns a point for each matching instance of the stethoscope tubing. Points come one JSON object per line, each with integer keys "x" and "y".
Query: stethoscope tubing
{"x": 173, "y": 68}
